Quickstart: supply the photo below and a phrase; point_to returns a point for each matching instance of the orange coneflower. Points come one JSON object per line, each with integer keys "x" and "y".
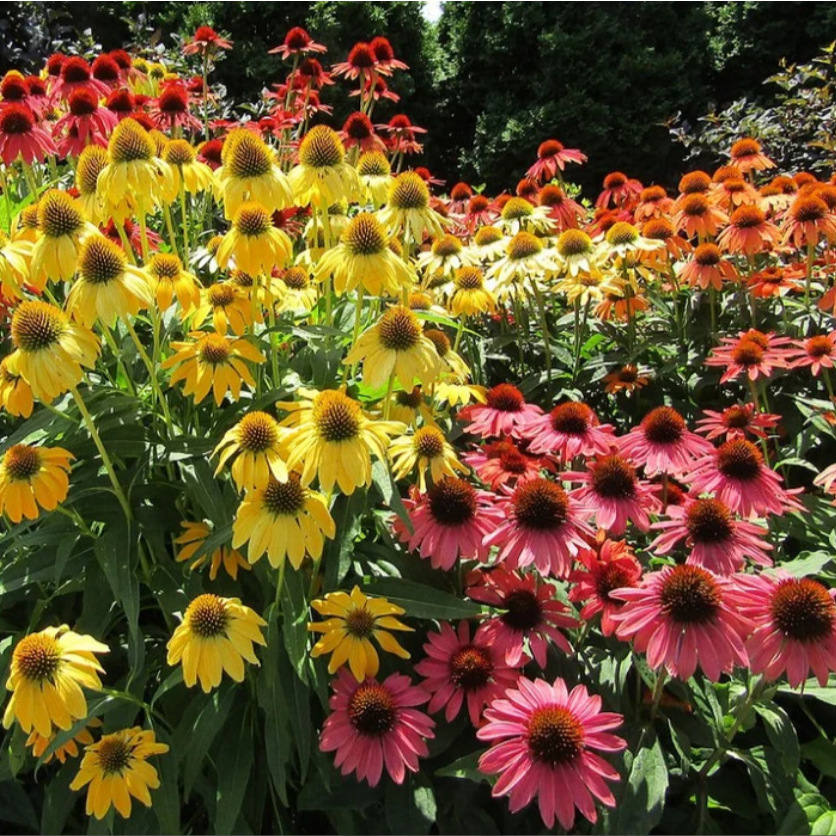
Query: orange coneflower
{"x": 661, "y": 229}
{"x": 772, "y": 281}
{"x": 619, "y": 190}
{"x": 749, "y": 232}
{"x": 621, "y": 308}
{"x": 808, "y": 219}
{"x": 653, "y": 203}
{"x": 697, "y": 217}
{"x": 746, "y": 154}
{"x": 627, "y": 379}
{"x": 708, "y": 268}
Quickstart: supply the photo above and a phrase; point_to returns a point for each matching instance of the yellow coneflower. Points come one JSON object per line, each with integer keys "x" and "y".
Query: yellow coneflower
{"x": 299, "y": 293}
{"x": 169, "y": 280}
{"x": 364, "y": 259}
{"x": 408, "y": 209}
{"x": 526, "y": 259}
{"x": 451, "y": 361}
{"x": 49, "y": 349}
{"x": 518, "y": 215}
{"x": 406, "y": 406}
{"x": 376, "y": 175}
{"x": 623, "y": 238}
{"x": 395, "y": 345}
{"x": 249, "y": 172}
{"x": 33, "y": 476}
{"x": 488, "y": 243}
{"x": 195, "y": 176}
{"x": 284, "y": 519}
{"x": 191, "y": 541}
{"x": 160, "y": 141}
{"x": 333, "y": 438}
{"x": 117, "y": 768}
{"x": 91, "y": 163}
{"x": 217, "y": 635}
{"x": 322, "y": 176}
{"x": 254, "y": 442}
{"x": 470, "y": 296}
{"x": 575, "y": 253}
{"x": 427, "y": 449}
{"x": 267, "y": 289}
{"x": 62, "y": 228}
{"x": 446, "y": 255}
{"x": 135, "y": 178}
{"x": 256, "y": 244}
{"x": 586, "y": 288}
{"x": 48, "y": 671}
{"x": 456, "y": 391}
{"x": 39, "y": 743}
{"x": 15, "y": 393}
{"x": 351, "y": 621}
{"x": 107, "y": 288}
{"x": 212, "y": 362}
{"x": 14, "y": 267}
{"x": 27, "y": 227}
{"x": 228, "y": 307}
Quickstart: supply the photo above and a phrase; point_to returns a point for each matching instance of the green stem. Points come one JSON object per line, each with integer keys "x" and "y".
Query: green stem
{"x": 544, "y": 325}
{"x": 152, "y": 374}
{"x": 185, "y": 221}
{"x": 118, "y": 355}
{"x": 172, "y": 238}
{"x": 126, "y": 243}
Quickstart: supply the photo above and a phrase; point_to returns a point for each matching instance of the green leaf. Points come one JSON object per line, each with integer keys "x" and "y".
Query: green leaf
{"x": 422, "y": 601}
{"x": 824, "y": 825}
{"x": 236, "y": 748}
{"x": 642, "y": 803}
{"x": 167, "y": 795}
{"x": 807, "y": 809}
{"x": 295, "y": 622}
{"x": 809, "y": 563}
{"x": 197, "y": 739}
{"x": 822, "y": 754}
{"x": 16, "y": 806}
{"x": 781, "y": 734}
{"x": 336, "y": 557}
{"x": 410, "y": 807}
{"x": 466, "y": 767}
{"x": 385, "y": 484}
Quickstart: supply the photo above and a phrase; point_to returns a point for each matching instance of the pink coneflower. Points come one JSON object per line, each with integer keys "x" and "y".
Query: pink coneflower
{"x": 817, "y": 352}
{"x": 662, "y": 443}
{"x": 77, "y": 74}
{"x": 297, "y": 42}
{"x": 746, "y": 154}
{"x": 505, "y": 413}
{"x": 653, "y": 203}
{"x": 614, "y": 494}
{"x": 86, "y": 124}
{"x": 21, "y": 137}
{"x": 450, "y": 520}
{"x": 123, "y": 60}
{"x": 565, "y": 212}
{"x": 808, "y": 220}
{"x": 682, "y": 617}
{"x": 697, "y": 217}
{"x": 735, "y": 422}
{"x": 552, "y": 158}
{"x": 359, "y": 131}
{"x": 375, "y": 724}
{"x": 543, "y": 742}
{"x": 532, "y": 613}
{"x": 619, "y": 190}
{"x": 795, "y": 627}
{"x": 53, "y": 68}
{"x": 38, "y": 98}
{"x": 708, "y": 268}
{"x": 752, "y": 353}
{"x": 570, "y": 429}
{"x": 607, "y": 566}
{"x": 717, "y": 541}
{"x": 749, "y": 232}
{"x": 205, "y": 40}
{"x": 172, "y": 108}
{"x": 385, "y": 56}
{"x": 540, "y": 524}
{"x": 736, "y": 474}
{"x": 503, "y": 463}
{"x": 459, "y": 670}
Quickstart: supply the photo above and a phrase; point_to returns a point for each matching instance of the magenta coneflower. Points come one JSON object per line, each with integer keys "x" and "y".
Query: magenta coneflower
{"x": 662, "y": 443}
{"x": 614, "y": 494}
{"x": 450, "y": 520}
{"x": 736, "y": 421}
{"x": 539, "y": 524}
{"x": 504, "y": 413}
{"x": 86, "y": 124}
{"x": 570, "y": 429}
{"x": 543, "y": 743}
{"x": 375, "y": 724}
{"x": 532, "y": 612}
{"x": 735, "y": 473}
{"x": 297, "y": 42}
{"x": 717, "y": 541}
{"x": 795, "y": 627}
{"x": 21, "y": 137}
{"x": 503, "y": 463}
{"x": 682, "y": 617}
{"x": 609, "y": 565}
{"x": 552, "y": 158}
{"x": 818, "y": 352}
{"x": 459, "y": 670}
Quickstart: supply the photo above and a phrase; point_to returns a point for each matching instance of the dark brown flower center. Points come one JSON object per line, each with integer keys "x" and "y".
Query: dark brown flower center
{"x": 747, "y": 217}
{"x": 819, "y": 347}
{"x": 336, "y": 416}
{"x": 540, "y": 505}
{"x": 284, "y": 498}
{"x": 739, "y": 459}
{"x": 399, "y": 329}
{"x": 372, "y": 710}
{"x": 114, "y": 755}
{"x": 101, "y": 261}
{"x": 505, "y": 398}
{"x": 523, "y": 245}
{"x": 663, "y": 426}
{"x": 689, "y": 595}
{"x": 471, "y": 667}
{"x": 36, "y": 325}
{"x": 621, "y": 234}
{"x": 452, "y": 502}
{"x": 614, "y": 478}
{"x": 573, "y": 242}
{"x": 58, "y": 215}
{"x": 612, "y": 576}
{"x": 214, "y": 349}
{"x": 524, "y": 611}
{"x": 572, "y": 418}
{"x": 359, "y": 623}
{"x": 321, "y": 148}
{"x": 748, "y": 353}
{"x": 258, "y": 432}
{"x": 803, "y": 610}
{"x": 253, "y": 220}
{"x": 207, "y": 616}
{"x": 130, "y": 142}
{"x": 709, "y": 521}
{"x": 428, "y": 442}
{"x": 737, "y": 418}
{"x": 487, "y": 235}
{"x": 38, "y": 657}
{"x": 555, "y": 735}
{"x": 246, "y": 155}
{"x": 409, "y": 191}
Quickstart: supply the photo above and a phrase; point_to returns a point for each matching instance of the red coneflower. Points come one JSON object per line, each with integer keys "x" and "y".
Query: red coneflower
{"x": 38, "y": 98}
{"x": 736, "y": 474}
{"x": 401, "y": 134}
{"x": 708, "y": 268}
{"x": 752, "y": 352}
{"x": 297, "y": 42}
{"x": 121, "y": 103}
{"x": 312, "y": 74}
{"x": 205, "y": 40}
{"x": 605, "y": 219}
{"x": 76, "y": 73}
{"x": 697, "y": 217}
{"x": 694, "y": 182}
{"x": 375, "y": 724}
{"x": 808, "y": 220}
{"x": 609, "y": 565}
{"x": 106, "y": 70}
{"x": 795, "y": 627}
{"x": 614, "y": 494}
{"x": 564, "y": 211}
{"x": 53, "y": 67}
{"x": 532, "y": 614}
{"x": 86, "y": 124}
{"x": 772, "y": 281}
{"x": 817, "y": 352}
{"x": 210, "y": 152}
{"x": 619, "y": 191}
{"x": 21, "y": 137}
{"x": 450, "y": 520}
{"x": 172, "y": 108}
{"x": 540, "y": 525}
{"x": 683, "y": 617}
{"x": 570, "y": 429}
{"x": 503, "y": 463}
{"x": 122, "y": 58}
{"x": 746, "y": 154}
{"x": 14, "y": 88}
{"x": 544, "y": 741}
{"x": 479, "y": 212}
{"x": 358, "y": 131}
{"x": 385, "y": 56}
{"x": 716, "y": 540}
{"x": 552, "y": 158}
{"x": 749, "y": 232}
{"x": 133, "y": 233}
{"x": 460, "y": 196}
{"x": 461, "y": 670}
{"x": 504, "y": 413}
{"x": 736, "y": 422}
{"x": 361, "y": 63}
{"x": 376, "y": 88}
{"x": 527, "y": 189}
